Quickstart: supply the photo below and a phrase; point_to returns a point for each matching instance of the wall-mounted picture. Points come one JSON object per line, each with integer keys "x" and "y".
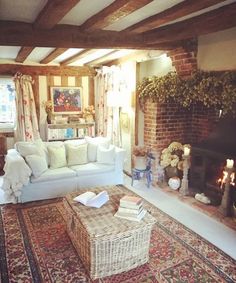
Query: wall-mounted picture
{"x": 66, "y": 100}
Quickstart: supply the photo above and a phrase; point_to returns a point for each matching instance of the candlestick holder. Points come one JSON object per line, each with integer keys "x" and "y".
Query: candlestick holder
{"x": 184, "y": 190}
{"x": 226, "y": 206}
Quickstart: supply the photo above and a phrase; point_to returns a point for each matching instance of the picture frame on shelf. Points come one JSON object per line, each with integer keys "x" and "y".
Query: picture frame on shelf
{"x": 66, "y": 100}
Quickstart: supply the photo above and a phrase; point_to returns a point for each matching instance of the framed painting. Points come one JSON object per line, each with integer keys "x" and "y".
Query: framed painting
{"x": 66, "y": 100}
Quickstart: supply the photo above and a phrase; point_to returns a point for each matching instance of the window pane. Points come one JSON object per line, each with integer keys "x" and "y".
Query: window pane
{"x": 7, "y": 101}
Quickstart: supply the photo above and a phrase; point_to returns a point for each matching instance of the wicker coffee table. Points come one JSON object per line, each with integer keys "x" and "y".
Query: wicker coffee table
{"x": 106, "y": 244}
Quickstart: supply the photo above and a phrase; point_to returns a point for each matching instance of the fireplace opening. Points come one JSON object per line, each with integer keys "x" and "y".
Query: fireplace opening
{"x": 209, "y": 159}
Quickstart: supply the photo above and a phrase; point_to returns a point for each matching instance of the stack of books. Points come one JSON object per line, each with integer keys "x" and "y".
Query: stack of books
{"x": 131, "y": 208}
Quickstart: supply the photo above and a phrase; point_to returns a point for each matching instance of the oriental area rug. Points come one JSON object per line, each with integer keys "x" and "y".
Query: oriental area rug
{"x": 35, "y": 247}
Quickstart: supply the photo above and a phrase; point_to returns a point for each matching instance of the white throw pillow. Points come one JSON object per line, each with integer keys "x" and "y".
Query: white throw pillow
{"x": 28, "y": 148}
{"x": 106, "y": 155}
{"x": 57, "y": 156}
{"x": 37, "y": 164}
{"x": 93, "y": 145}
{"x": 77, "y": 154}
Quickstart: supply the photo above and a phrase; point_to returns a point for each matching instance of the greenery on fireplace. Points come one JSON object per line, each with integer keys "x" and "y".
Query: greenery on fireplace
{"x": 212, "y": 89}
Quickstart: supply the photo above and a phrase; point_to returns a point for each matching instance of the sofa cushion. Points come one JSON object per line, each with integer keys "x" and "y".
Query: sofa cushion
{"x": 92, "y": 168}
{"x": 38, "y": 164}
{"x": 57, "y": 156}
{"x": 75, "y": 142}
{"x": 29, "y": 148}
{"x": 54, "y": 174}
{"x": 106, "y": 155}
{"x": 93, "y": 144}
{"x": 76, "y": 154}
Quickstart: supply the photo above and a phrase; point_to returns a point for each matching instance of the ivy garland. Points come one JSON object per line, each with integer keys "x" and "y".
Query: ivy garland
{"x": 212, "y": 89}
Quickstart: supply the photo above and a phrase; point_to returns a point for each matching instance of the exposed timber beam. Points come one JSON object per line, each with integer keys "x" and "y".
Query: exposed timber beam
{"x": 175, "y": 12}
{"x": 11, "y": 69}
{"x": 76, "y": 57}
{"x": 112, "y": 13}
{"x": 53, "y": 12}
{"x": 200, "y": 25}
{"x": 23, "y": 53}
{"x": 101, "y": 59}
{"x": 50, "y": 15}
{"x": 54, "y": 54}
{"x": 68, "y": 36}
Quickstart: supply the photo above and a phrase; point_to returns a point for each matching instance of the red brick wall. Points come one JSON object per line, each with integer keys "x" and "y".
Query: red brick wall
{"x": 203, "y": 122}
{"x": 169, "y": 122}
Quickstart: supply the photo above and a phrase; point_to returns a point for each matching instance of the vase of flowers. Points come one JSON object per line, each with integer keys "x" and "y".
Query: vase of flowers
{"x": 171, "y": 159}
{"x": 48, "y": 109}
{"x": 140, "y": 157}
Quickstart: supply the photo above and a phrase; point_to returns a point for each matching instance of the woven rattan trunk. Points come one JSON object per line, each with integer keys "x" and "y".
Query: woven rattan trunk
{"x": 106, "y": 244}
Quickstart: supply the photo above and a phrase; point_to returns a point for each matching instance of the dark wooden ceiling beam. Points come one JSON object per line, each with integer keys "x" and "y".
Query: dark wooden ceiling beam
{"x": 76, "y": 57}
{"x": 112, "y": 13}
{"x": 200, "y": 25}
{"x": 53, "y": 12}
{"x": 66, "y": 36}
{"x": 101, "y": 59}
{"x": 11, "y": 69}
{"x": 49, "y": 16}
{"x": 23, "y": 53}
{"x": 175, "y": 12}
{"x": 53, "y": 55}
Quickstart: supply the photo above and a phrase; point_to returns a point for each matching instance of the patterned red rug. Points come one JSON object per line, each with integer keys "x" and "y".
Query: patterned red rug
{"x": 35, "y": 247}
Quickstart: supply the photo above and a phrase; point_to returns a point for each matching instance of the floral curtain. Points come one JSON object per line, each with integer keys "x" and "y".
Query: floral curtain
{"x": 107, "y": 110}
{"x": 26, "y": 121}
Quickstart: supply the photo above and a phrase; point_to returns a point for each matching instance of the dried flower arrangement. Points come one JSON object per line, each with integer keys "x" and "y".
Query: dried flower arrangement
{"x": 47, "y": 106}
{"x": 172, "y": 155}
{"x": 140, "y": 151}
{"x": 88, "y": 113}
{"x": 211, "y": 89}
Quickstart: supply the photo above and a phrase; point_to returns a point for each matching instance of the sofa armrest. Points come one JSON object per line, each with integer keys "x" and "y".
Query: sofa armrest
{"x": 17, "y": 174}
{"x": 119, "y": 158}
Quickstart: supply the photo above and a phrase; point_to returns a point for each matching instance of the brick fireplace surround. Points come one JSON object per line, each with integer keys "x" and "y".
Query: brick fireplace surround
{"x": 169, "y": 122}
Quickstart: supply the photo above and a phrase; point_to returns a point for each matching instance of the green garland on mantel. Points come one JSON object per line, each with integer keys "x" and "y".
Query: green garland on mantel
{"x": 212, "y": 89}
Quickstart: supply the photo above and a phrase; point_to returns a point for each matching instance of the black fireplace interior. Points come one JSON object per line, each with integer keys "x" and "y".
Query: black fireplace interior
{"x": 209, "y": 159}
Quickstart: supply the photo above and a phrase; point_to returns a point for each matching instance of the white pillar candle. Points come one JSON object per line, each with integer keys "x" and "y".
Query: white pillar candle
{"x": 229, "y": 163}
{"x": 186, "y": 151}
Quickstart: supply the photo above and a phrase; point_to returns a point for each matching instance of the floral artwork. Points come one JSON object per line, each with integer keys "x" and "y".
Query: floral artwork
{"x": 66, "y": 100}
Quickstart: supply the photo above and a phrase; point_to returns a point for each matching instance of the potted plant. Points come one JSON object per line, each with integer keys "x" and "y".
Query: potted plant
{"x": 140, "y": 157}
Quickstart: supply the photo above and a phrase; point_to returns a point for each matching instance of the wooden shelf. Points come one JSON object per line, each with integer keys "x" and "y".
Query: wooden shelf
{"x": 69, "y": 131}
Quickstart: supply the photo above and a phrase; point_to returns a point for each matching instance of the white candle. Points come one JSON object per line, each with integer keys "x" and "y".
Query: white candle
{"x": 229, "y": 163}
{"x": 186, "y": 151}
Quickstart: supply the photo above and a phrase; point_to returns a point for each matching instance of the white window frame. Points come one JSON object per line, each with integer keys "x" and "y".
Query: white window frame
{"x": 6, "y": 127}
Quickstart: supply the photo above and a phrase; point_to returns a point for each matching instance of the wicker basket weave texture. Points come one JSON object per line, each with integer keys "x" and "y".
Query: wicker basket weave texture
{"x": 106, "y": 244}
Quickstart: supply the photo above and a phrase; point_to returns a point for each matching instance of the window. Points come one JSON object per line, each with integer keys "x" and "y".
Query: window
{"x": 7, "y": 103}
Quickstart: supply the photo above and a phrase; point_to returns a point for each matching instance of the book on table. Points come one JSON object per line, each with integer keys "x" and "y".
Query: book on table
{"x": 132, "y": 217}
{"x": 131, "y": 211}
{"x": 131, "y": 202}
{"x": 93, "y": 200}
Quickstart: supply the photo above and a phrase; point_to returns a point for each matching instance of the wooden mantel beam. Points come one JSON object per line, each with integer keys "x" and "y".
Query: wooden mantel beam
{"x": 175, "y": 12}
{"x": 11, "y": 69}
{"x": 200, "y": 25}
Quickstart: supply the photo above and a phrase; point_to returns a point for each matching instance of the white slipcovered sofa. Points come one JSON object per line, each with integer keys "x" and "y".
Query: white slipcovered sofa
{"x": 42, "y": 170}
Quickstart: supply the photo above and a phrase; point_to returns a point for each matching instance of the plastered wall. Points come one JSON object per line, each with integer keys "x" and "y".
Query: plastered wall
{"x": 216, "y": 51}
